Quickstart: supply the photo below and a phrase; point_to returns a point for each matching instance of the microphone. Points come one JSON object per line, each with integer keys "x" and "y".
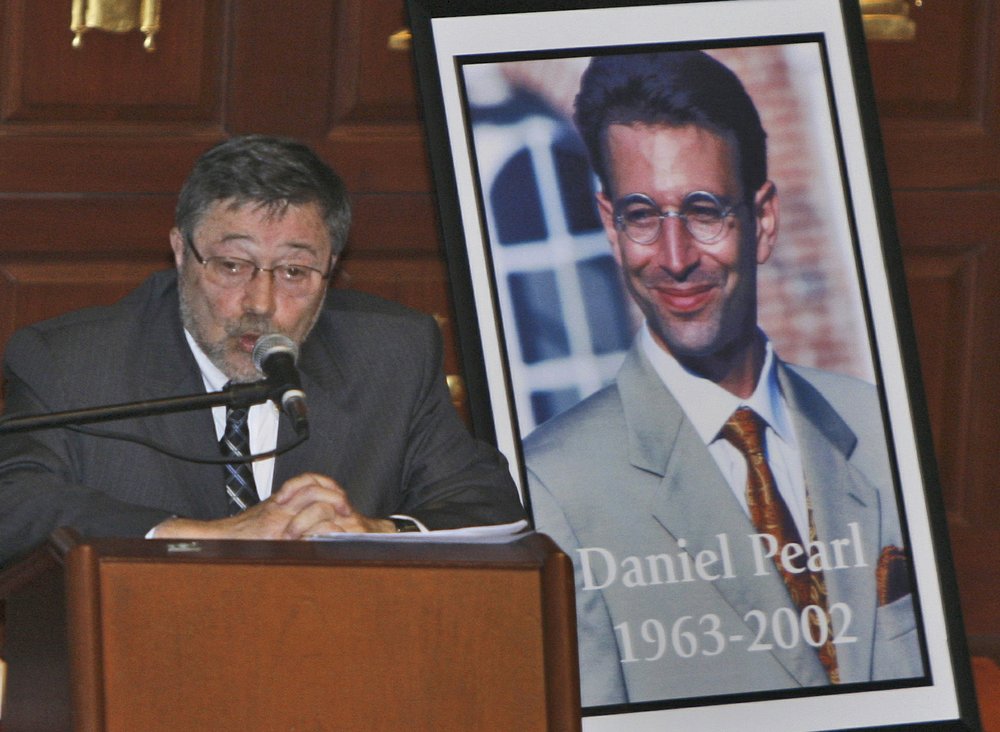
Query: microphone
{"x": 274, "y": 356}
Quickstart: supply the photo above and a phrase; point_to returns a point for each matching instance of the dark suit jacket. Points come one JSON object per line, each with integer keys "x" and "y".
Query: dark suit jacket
{"x": 381, "y": 422}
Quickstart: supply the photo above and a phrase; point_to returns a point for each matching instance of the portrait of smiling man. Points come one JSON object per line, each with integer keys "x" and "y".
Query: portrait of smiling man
{"x": 259, "y": 226}
{"x": 732, "y": 517}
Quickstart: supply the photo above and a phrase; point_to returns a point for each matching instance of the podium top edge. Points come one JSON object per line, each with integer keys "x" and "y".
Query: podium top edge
{"x": 525, "y": 550}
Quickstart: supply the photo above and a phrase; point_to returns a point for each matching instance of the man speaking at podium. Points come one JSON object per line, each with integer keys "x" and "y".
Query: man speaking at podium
{"x": 260, "y": 223}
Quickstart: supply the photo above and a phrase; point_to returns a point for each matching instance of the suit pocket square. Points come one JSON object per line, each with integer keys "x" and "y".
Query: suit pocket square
{"x": 892, "y": 576}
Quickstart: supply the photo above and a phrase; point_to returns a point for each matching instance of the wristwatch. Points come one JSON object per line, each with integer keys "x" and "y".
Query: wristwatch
{"x": 404, "y": 524}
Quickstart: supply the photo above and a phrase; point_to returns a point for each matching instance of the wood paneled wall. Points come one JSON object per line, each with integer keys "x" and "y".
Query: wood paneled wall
{"x": 95, "y": 142}
{"x": 939, "y": 105}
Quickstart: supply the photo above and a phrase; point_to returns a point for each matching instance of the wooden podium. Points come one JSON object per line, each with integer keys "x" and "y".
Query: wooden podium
{"x": 130, "y": 635}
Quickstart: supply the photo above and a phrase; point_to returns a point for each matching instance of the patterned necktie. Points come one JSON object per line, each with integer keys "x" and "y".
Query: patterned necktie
{"x": 770, "y": 515}
{"x": 240, "y": 488}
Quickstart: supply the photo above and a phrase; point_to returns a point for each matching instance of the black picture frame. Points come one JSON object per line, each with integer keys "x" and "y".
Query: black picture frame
{"x": 484, "y": 68}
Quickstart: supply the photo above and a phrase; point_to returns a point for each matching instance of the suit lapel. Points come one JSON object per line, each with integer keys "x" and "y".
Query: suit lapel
{"x": 325, "y": 383}
{"x": 844, "y": 505}
{"x": 166, "y": 367}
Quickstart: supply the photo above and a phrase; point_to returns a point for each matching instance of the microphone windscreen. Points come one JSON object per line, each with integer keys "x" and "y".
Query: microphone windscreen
{"x": 268, "y": 345}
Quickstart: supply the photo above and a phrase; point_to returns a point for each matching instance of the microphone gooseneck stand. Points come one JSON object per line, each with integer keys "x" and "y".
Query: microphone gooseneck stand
{"x": 234, "y": 395}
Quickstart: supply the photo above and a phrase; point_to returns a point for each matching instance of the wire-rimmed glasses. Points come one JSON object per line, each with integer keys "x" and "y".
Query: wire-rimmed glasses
{"x": 704, "y": 216}
{"x": 295, "y": 279}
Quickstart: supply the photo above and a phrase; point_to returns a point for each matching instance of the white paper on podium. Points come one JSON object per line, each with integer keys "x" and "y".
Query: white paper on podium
{"x": 3, "y": 679}
{"x": 494, "y": 534}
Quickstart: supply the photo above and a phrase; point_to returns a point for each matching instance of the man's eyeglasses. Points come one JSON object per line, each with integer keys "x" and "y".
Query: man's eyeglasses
{"x": 295, "y": 279}
{"x": 703, "y": 214}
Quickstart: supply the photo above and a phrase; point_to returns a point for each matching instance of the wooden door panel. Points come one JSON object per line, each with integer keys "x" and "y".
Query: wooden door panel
{"x": 953, "y": 268}
{"x": 375, "y": 84}
{"x": 85, "y": 227}
{"x": 394, "y": 224}
{"x": 326, "y": 74}
{"x": 281, "y": 69}
{"x": 375, "y": 136}
{"x": 914, "y": 86}
{"x": 939, "y": 97}
{"x": 33, "y": 291}
{"x": 129, "y": 165}
{"x": 944, "y": 316}
{"x": 111, "y": 77}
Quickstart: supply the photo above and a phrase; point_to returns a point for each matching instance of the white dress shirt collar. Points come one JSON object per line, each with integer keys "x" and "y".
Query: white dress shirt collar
{"x": 262, "y": 419}
{"x": 706, "y": 404}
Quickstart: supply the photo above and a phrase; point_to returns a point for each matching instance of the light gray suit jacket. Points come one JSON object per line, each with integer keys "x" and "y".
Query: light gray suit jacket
{"x": 381, "y": 422}
{"x": 623, "y": 478}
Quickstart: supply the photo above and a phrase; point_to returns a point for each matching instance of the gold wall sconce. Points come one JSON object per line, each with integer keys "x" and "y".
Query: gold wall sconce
{"x": 400, "y": 40}
{"x": 889, "y": 20}
{"x": 116, "y": 16}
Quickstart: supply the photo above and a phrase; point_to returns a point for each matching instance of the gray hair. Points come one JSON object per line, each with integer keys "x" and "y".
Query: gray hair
{"x": 272, "y": 172}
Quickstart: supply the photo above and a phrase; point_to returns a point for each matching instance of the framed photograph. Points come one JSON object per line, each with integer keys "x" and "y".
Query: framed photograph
{"x": 683, "y": 319}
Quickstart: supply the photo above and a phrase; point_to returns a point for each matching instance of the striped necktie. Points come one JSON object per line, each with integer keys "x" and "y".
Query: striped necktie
{"x": 241, "y": 492}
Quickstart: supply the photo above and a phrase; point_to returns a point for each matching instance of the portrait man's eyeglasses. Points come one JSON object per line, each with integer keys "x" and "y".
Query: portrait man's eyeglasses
{"x": 703, "y": 214}
{"x": 295, "y": 279}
